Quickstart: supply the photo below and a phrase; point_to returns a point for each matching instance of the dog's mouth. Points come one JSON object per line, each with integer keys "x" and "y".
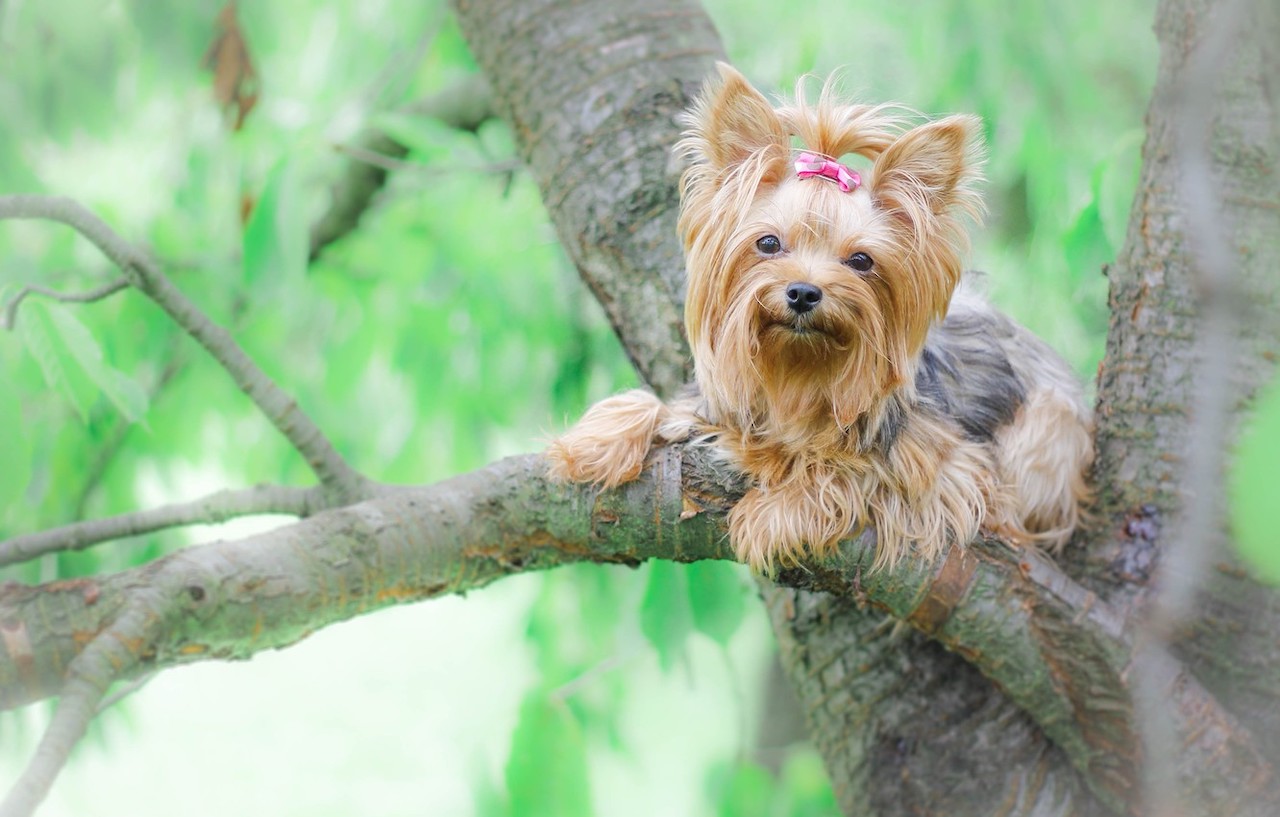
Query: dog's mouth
{"x": 802, "y": 328}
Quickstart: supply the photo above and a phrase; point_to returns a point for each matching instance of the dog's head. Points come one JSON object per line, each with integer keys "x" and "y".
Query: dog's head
{"x": 813, "y": 282}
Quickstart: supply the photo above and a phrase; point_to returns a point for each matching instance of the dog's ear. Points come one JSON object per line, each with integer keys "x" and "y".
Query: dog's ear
{"x": 731, "y": 122}
{"x": 930, "y": 170}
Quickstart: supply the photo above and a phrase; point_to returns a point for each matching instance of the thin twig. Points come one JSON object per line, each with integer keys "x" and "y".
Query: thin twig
{"x": 212, "y": 509}
{"x": 283, "y": 412}
{"x": 589, "y": 676}
{"x": 96, "y": 294}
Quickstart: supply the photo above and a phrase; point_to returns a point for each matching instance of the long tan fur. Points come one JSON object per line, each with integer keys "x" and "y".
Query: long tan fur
{"x": 855, "y": 411}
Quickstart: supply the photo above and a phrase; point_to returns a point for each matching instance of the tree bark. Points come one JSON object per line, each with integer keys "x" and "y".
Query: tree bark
{"x": 614, "y": 90}
{"x": 1149, "y": 345}
{"x": 1146, "y": 385}
{"x": 908, "y": 723}
{"x": 908, "y": 728}
{"x": 1196, "y": 254}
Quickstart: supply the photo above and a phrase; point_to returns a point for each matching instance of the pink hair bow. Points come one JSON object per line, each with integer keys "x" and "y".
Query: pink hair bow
{"x": 810, "y": 164}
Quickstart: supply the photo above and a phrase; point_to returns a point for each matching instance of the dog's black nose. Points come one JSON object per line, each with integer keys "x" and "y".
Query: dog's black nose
{"x": 803, "y": 297}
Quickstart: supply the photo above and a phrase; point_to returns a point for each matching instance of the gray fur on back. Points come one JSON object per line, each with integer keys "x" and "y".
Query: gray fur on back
{"x": 965, "y": 372}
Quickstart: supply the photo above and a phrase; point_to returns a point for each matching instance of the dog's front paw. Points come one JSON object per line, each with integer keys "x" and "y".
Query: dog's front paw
{"x": 774, "y": 528}
{"x": 608, "y": 463}
{"x": 609, "y": 444}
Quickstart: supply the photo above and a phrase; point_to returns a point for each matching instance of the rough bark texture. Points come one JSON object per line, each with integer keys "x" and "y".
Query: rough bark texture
{"x": 229, "y": 600}
{"x": 1059, "y": 654}
{"x": 906, "y": 726}
{"x": 464, "y": 533}
{"x": 948, "y": 747}
{"x": 614, "y": 90}
{"x": 1148, "y": 385}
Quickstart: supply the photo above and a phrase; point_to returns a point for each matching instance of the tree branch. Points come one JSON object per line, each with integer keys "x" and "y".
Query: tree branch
{"x": 325, "y": 462}
{"x": 95, "y": 294}
{"x": 1054, "y": 648}
{"x": 89, "y": 675}
{"x": 950, "y": 747}
{"x": 463, "y": 106}
{"x": 1185, "y": 350}
{"x": 212, "y": 509}
{"x": 637, "y": 71}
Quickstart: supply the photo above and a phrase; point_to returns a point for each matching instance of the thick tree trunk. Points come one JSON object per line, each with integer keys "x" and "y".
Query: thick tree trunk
{"x": 905, "y": 727}
{"x": 1198, "y": 276}
{"x": 1147, "y": 386}
{"x": 592, "y": 91}
{"x": 612, "y": 93}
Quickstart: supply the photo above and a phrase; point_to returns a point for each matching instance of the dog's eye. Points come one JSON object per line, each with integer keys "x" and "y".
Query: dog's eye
{"x": 769, "y": 245}
{"x": 859, "y": 261}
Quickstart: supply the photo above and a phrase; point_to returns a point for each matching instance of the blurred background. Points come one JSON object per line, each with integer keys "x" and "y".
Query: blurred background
{"x": 446, "y": 331}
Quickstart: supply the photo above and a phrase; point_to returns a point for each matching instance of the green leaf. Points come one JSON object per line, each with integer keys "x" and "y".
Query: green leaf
{"x": 1254, "y": 489}
{"x": 1084, "y": 245}
{"x": 72, "y": 362}
{"x": 665, "y": 618}
{"x": 806, "y": 785}
{"x": 127, "y": 395}
{"x": 717, "y": 599}
{"x": 276, "y": 237}
{"x": 547, "y": 770}
{"x": 61, "y": 371}
{"x": 15, "y": 451}
{"x": 123, "y": 391}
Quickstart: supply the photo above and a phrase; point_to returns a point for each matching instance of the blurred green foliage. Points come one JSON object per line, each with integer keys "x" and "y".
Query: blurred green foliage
{"x": 449, "y": 329}
{"x": 1254, "y": 490}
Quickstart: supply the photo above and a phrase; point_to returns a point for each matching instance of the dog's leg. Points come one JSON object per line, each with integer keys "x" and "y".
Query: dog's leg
{"x": 772, "y": 527}
{"x": 1044, "y": 455}
{"x": 609, "y": 444}
{"x": 932, "y": 489}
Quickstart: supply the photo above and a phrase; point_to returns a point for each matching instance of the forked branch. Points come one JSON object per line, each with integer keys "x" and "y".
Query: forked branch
{"x": 1058, "y": 652}
{"x": 89, "y": 675}
{"x": 463, "y": 106}
{"x": 95, "y": 294}
{"x": 330, "y": 468}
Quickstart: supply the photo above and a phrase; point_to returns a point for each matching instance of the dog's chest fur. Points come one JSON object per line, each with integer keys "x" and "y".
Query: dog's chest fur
{"x": 965, "y": 389}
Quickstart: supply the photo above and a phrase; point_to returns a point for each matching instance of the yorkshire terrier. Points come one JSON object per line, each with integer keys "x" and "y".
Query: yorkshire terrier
{"x": 840, "y": 362}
